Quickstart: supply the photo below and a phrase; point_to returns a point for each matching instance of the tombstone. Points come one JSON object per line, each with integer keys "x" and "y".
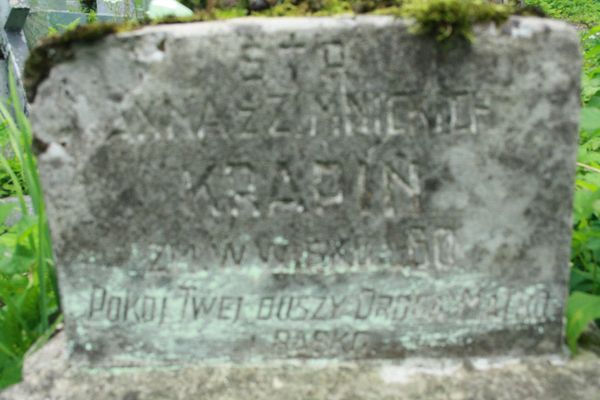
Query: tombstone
{"x": 270, "y": 201}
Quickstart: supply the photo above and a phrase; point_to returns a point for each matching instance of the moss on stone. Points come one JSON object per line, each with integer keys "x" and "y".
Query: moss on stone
{"x": 327, "y": 7}
{"x": 58, "y": 48}
{"x": 530, "y": 11}
{"x": 443, "y": 19}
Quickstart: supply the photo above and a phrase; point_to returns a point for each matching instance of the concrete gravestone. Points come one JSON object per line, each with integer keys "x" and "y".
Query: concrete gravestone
{"x": 311, "y": 189}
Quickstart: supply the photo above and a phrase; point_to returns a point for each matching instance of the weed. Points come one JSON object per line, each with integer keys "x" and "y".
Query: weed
{"x": 445, "y": 19}
{"x": 585, "y": 12}
{"x": 584, "y": 302}
{"x": 29, "y": 302}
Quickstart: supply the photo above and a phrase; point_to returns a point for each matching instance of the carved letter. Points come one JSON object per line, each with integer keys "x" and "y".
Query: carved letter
{"x": 96, "y": 304}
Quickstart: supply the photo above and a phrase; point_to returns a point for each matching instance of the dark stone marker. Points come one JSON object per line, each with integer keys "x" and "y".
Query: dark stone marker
{"x": 13, "y": 14}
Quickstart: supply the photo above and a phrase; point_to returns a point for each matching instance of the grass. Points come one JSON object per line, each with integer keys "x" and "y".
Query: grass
{"x": 585, "y": 12}
{"x": 29, "y": 304}
{"x": 584, "y": 302}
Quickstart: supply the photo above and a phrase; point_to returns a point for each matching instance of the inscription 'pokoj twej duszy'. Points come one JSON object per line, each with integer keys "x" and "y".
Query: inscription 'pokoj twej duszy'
{"x": 300, "y": 188}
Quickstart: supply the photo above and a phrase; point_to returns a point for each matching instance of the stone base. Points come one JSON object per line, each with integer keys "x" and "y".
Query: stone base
{"x": 49, "y": 376}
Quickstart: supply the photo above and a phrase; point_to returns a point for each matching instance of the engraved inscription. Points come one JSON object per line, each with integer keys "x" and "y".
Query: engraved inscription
{"x": 188, "y": 303}
{"x": 308, "y": 189}
{"x": 327, "y": 184}
{"x": 321, "y": 342}
{"x": 129, "y": 307}
{"x": 292, "y": 49}
{"x": 422, "y": 248}
{"x": 261, "y": 113}
{"x": 252, "y": 62}
{"x": 318, "y": 325}
{"x": 333, "y": 54}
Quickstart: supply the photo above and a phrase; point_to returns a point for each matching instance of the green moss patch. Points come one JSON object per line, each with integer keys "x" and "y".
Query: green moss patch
{"x": 445, "y": 19}
{"x": 327, "y": 7}
{"x": 442, "y": 19}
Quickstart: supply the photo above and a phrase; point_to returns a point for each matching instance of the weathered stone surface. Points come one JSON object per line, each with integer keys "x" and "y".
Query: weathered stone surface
{"x": 49, "y": 376}
{"x": 272, "y": 189}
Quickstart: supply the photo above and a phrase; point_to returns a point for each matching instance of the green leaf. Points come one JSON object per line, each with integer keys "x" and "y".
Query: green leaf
{"x": 584, "y": 204}
{"x": 592, "y": 144}
{"x": 26, "y": 226}
{"x": 29, "y": 308}
{"x": 589, "y": 87}
{"x": 6, "y": 209}
{"x": 10, "y": 370}
{"x": 581, "y": 281}
{"x": 588, "y": 157}
{"x": 592, "y": 32}
{"x": 10, "y": 336}
{"x": 593, "y": 52}
{"x": 71, "y": 26}
{"x": 593, "y": 244}
{"x": 21, "y": 261}
{"x": 590, "y": 119}
{"x": 594, "y": 101}
{"x": 585, "y": 185}
{"x": 582, "y": 308}
{"x": 588, "y": 180}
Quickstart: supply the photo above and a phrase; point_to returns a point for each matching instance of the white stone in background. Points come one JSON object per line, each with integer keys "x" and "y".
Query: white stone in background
{"x": 167, "y": 8}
